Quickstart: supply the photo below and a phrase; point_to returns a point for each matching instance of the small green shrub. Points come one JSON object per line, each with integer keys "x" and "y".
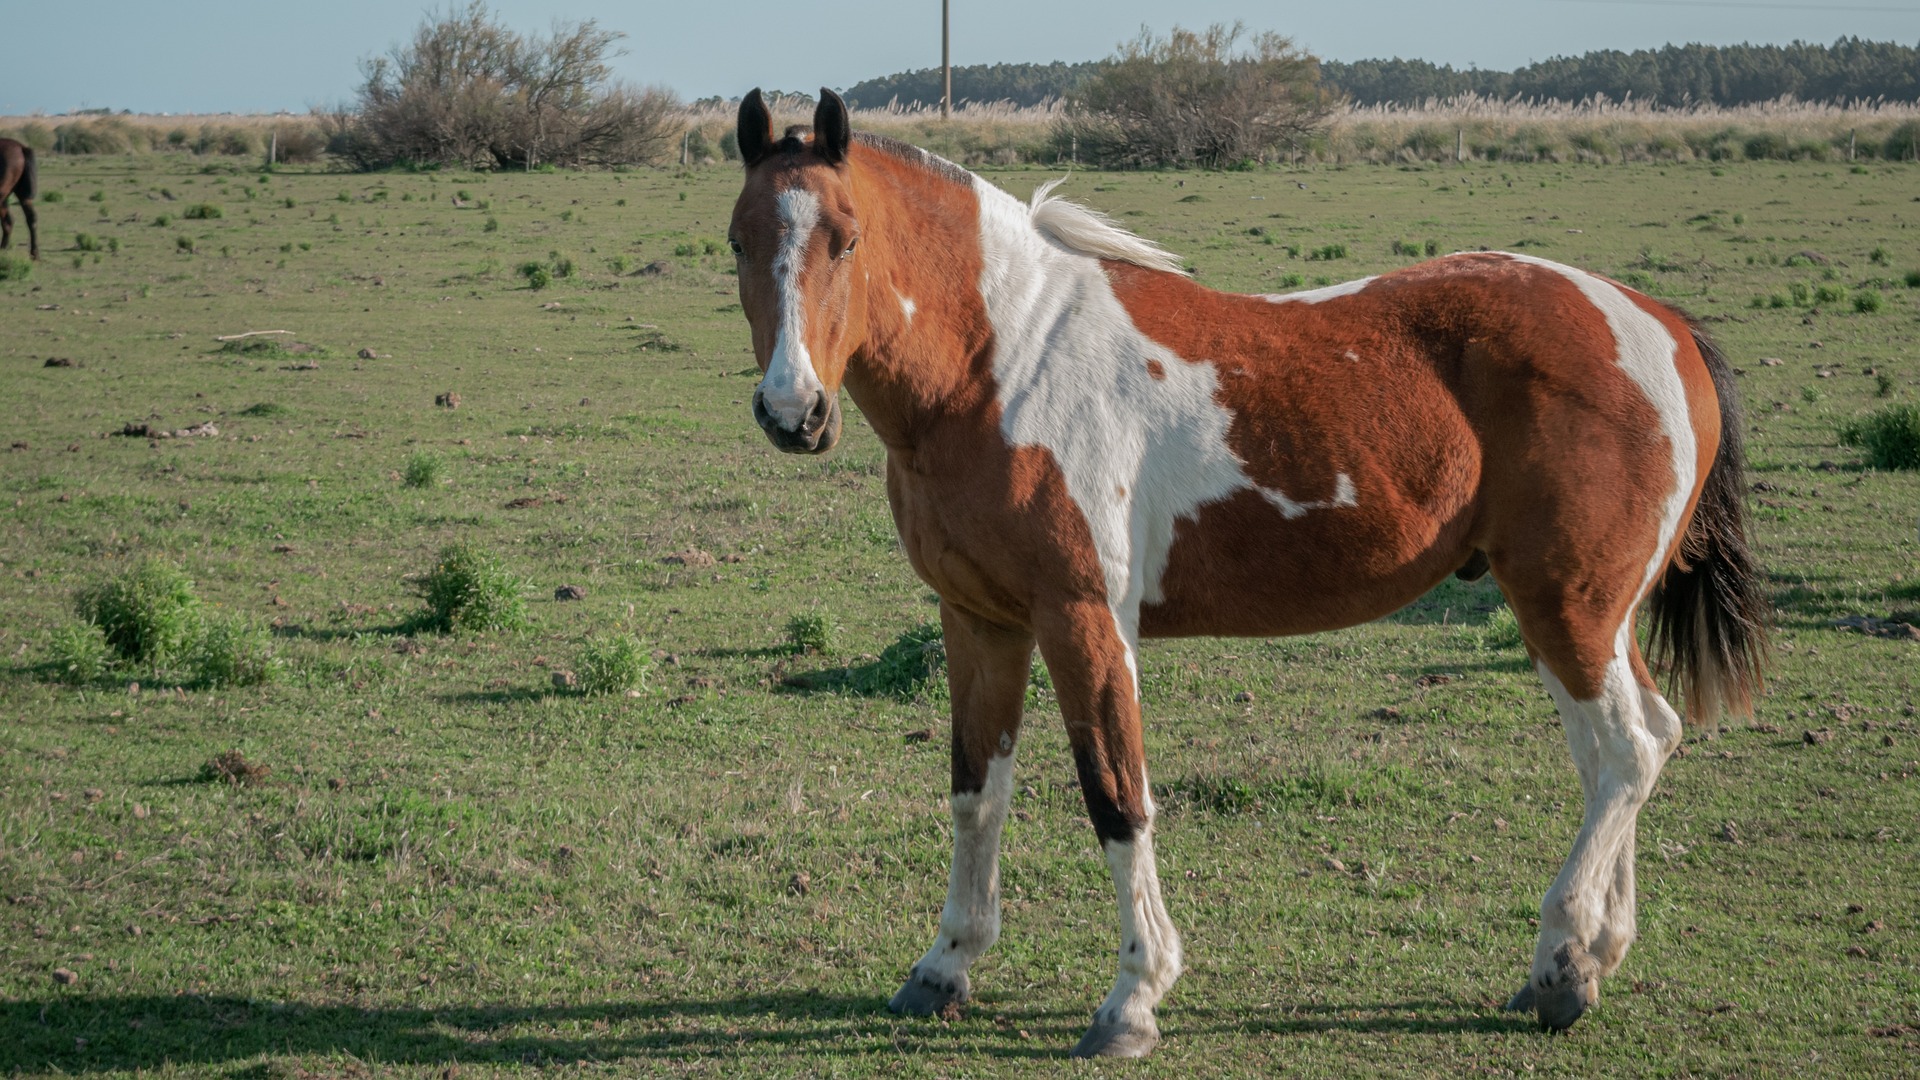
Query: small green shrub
{"x": 14, "y": 268}
{"x": 1811, "y": 395}
{"x": 87, "y": 242}
{"x": 1432, "y": 248}
{"x": 492, "y": 225}
{"x": 469, "y": 589}
{"x": 619, "y": 264}
{"x": 812, "y": 632}
{"x": 1800, "y": 293}
{"x": 264, "y": 409}
{"x": 562, "y": 266}
{"x": 1890, "y": 437}
{"x": 423, "y": 469}
{"x": 53, "y": 197}
{"x": 1327, "y": 252}
{"x": 1878, "y": 255}
{"x": 1913, "y": 279}
{"x": 201, "y": 212}
{"x": 1868, "y": 301}
{"x": 98, "y": 196}
{"x": 1830, "y": 294}
{"x": 1883, "y": 385}
{"x": 1292, "y": 281}
{"x": 183, "y": 243}
{"x": 1502, "y": 630}
{"x": 146, "y": 615}
{"x": 79, "y": 654}
{"x": 161, "y": 221}
{"x": 685, "y": 251}
{"x": 232, "y": 652}
{"x": 612, "y": 665}
{"x": 537, "y": 275}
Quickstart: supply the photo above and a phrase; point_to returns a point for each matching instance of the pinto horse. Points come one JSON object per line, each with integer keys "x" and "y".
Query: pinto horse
{"x": 17, "y": 179}
{"x": 1084, "y": 448}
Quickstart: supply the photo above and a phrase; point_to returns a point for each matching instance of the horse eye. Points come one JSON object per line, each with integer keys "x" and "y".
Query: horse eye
{"x": 734, "y": 244}
{"x": 850, "y": 246}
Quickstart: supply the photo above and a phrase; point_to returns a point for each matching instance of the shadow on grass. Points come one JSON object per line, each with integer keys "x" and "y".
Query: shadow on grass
{"x": 75, "y": 1034}
{"x": 1373, "y": 1018}
{"x": 80, "y": 1034}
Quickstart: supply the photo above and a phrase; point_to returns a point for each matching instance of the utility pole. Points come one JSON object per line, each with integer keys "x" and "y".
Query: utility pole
{"x": 946, "y": 62}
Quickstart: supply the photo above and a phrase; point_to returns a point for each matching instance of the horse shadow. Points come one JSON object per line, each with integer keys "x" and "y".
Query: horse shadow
{"x": 77, "y": 1033}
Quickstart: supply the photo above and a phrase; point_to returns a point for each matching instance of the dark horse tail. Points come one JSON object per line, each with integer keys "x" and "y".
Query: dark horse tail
{"x": 1709, "y": 612}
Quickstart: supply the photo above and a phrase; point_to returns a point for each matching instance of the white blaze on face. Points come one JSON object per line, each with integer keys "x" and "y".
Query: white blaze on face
{"x": 790, "y": 387}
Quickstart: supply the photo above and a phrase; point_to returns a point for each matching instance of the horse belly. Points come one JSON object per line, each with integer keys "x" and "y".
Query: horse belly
{"x": 1241, "y": 568}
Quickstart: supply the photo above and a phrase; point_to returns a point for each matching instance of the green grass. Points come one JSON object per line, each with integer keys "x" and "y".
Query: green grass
{"x": 448, "y": 861}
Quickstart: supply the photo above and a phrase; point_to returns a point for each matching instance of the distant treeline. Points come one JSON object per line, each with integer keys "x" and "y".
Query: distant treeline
{"x": 1022, "y": 84}
{"x": 1849, "y": 69}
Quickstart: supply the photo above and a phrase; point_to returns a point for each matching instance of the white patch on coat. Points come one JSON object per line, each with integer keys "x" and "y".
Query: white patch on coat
{"x": 970, "y": 922}
{"x": 1317, "y": 296}
{"x": 790, "y": 387}
{"x": 1646, "y": 351}
{"x": 1343, "y": 496}
{"x": 1351, "y": 355}
{"x": 907, "y": 306}
{"x": 1072, "y": 374}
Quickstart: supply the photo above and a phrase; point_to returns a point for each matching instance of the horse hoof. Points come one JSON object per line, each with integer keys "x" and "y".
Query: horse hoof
{"x": 925, "y": 995}
{"x": 1116, "y": 1039}
{"x": 1573, "y": 987}
{"x": 1521, "y": 1001}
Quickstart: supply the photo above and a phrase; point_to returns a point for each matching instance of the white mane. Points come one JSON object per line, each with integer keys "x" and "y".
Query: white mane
{"x": 1088, "y": 231}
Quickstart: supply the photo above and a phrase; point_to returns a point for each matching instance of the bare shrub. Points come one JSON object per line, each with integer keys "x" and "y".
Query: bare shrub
{"x": 1197, "y": 97}
{"x": 468, "y": 91}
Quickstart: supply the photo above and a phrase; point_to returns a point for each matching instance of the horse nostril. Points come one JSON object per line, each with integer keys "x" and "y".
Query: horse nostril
{"x": 817, "y": 415}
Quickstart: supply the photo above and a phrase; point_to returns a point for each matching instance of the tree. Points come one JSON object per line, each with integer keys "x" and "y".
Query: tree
{"x": 468, "y": 91}
{"x": 1196, "y": 98}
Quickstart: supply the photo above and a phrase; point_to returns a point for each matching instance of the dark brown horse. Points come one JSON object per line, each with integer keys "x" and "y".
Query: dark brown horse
{"x": 17, "y": 179}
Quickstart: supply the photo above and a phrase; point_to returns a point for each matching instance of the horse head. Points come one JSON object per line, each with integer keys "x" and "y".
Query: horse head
{"x": 795, "y": 234}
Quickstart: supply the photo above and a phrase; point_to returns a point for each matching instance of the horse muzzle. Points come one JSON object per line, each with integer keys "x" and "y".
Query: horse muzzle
{"x": 817, "y": 432}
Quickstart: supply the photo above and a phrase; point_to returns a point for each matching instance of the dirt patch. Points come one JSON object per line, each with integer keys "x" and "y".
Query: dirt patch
{"x": 1899, "y": 626}
{"x": 448, "y": 400}
{"x": 233, "y": 767}
{"x": 693, "y": 558}
{"x": 204, "y": 430}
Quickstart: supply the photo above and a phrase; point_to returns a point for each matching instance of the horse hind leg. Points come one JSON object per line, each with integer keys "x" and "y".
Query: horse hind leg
{"x": 33, "y": 228}
{"x": 1620, "y": 734}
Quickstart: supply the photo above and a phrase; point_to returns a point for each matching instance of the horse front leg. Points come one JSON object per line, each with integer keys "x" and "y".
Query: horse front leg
{"x": 987, "y": 667}
{"x": 1096, "y": 675}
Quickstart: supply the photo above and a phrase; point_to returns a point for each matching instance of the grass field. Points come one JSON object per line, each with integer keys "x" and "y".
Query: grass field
{"x": 448, "y": 861}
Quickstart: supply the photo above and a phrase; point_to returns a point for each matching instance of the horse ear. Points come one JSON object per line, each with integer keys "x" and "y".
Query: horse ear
{"x": 832, "y": 129}
{"x": 755, "y": 130}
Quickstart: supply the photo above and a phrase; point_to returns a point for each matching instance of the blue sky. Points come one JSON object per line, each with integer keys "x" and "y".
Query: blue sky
{"x": 226, "y": 56}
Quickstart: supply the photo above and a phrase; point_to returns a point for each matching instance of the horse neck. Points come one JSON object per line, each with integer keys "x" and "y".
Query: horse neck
{"x": 925, "y": 350}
